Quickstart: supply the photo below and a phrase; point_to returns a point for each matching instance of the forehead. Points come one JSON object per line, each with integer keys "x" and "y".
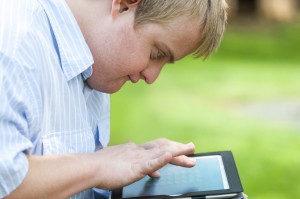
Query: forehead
{"x": 182, "y": 35}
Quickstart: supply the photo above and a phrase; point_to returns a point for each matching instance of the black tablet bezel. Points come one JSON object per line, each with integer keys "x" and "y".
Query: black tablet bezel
{"x": 233, "y": 178}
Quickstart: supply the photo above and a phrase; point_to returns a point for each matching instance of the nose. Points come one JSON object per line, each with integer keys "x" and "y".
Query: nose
{"x": 134, "y": 78}
{"x": 151, "y": 73}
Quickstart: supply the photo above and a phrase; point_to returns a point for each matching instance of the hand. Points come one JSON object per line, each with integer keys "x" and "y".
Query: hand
{"x": 124, "y": 164}
{"x": 177, "y": 150}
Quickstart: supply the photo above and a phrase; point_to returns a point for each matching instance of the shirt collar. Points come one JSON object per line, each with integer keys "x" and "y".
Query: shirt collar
{"x": 73, "y": 50}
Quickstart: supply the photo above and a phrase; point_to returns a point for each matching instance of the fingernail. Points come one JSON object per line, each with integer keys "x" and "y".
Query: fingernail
{"x": 192, "y": 160}
{"x": 191, "y": 144}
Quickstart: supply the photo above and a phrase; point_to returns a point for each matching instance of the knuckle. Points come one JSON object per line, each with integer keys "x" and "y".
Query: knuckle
{"x": 131, "y": 144}
{"x": 149, "y": 166}
{"x": 158, "y": 151}
{"x": 136, "y": 172}
{"x": 162, "y": 141}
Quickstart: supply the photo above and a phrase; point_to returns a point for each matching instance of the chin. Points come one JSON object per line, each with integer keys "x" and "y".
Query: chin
{"x": 109, "y": 90}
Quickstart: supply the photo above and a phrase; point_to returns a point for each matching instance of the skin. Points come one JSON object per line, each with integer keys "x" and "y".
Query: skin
{"x": 122, "y": 53}
{"x": 61, "y": 176}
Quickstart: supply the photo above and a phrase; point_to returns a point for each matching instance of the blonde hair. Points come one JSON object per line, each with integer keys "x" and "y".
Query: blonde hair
{"x": 211, "y": 13}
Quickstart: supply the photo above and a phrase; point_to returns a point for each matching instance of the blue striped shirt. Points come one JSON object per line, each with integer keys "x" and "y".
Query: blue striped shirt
{"x": 45, "y": 105}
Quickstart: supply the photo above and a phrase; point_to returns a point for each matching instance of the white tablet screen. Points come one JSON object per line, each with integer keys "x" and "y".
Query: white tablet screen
{"x": 208, "y": 175}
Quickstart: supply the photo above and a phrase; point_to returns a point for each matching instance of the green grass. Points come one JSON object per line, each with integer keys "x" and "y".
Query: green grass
{"x": 200, "y": 102}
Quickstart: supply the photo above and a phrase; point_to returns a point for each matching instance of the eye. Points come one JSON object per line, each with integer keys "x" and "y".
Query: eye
{"x": 159, "y": 55}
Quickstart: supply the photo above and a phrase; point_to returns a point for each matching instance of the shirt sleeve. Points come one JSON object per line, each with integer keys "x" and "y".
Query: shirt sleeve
{"x": 14, "y": 133}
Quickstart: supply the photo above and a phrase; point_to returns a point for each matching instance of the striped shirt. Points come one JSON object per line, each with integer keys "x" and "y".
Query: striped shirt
{"x": 45, "y": 105}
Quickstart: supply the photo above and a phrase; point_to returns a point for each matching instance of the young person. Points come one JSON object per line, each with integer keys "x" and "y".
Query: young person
{"x": 60, "y": 60}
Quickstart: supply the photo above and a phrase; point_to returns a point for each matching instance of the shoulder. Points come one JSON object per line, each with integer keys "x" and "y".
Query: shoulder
{"x": 19, "y": 51}
{"x": 17, "y": 18}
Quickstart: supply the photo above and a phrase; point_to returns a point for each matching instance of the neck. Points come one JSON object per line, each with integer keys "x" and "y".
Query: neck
{"x": 89, "y": 13}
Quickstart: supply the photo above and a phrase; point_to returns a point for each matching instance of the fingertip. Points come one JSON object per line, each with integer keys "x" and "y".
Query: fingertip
{"x": 191, "y": 144}
{"x": 155, "y": 174}
{"x": 191, "y": 147}
{"x": 192, "y": 162}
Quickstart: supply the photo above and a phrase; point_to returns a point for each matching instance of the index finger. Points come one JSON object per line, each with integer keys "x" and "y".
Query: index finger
{"x": 165, "y": 145}
{"x": 151, "y": 165}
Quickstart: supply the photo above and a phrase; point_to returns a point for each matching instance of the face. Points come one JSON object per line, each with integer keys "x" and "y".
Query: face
{"x": 126, "y": 53}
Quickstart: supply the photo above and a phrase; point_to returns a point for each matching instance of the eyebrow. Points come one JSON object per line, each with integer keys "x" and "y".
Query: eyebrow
{"x": 170, "y": 53}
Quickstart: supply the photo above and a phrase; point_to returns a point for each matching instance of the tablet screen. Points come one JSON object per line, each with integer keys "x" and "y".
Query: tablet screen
{"x": 208, "y": 175}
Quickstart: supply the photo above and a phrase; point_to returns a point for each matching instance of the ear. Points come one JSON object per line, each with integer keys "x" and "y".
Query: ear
{"x": 120, "y": 6}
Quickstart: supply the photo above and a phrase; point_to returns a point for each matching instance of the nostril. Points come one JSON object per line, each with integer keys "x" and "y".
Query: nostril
{"x": 144, "y": 77}
{"x": 149, "y": 81}
{"x": 148, "y": 78}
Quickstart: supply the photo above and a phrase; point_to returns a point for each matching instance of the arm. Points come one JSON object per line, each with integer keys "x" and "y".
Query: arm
{"x": 60, "y": 176}
{"x": 56, "y": 176}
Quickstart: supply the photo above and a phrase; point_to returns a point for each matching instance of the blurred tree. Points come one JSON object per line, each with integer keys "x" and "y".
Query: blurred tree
{"x": 278, "y": 10}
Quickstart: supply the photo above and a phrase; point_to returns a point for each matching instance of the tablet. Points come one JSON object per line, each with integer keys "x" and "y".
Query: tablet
{"x": 214, "y": 175}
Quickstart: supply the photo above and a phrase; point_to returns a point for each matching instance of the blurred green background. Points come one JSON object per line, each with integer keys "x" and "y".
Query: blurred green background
{"x": 244, "y": 98}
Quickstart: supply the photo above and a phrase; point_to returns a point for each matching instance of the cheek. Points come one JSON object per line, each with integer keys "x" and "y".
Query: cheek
{"x": 132, "y": 66}
{"x": 135, "y": 60}
{"x": 139, "y": 63}
{"x": 132, "y": 54}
